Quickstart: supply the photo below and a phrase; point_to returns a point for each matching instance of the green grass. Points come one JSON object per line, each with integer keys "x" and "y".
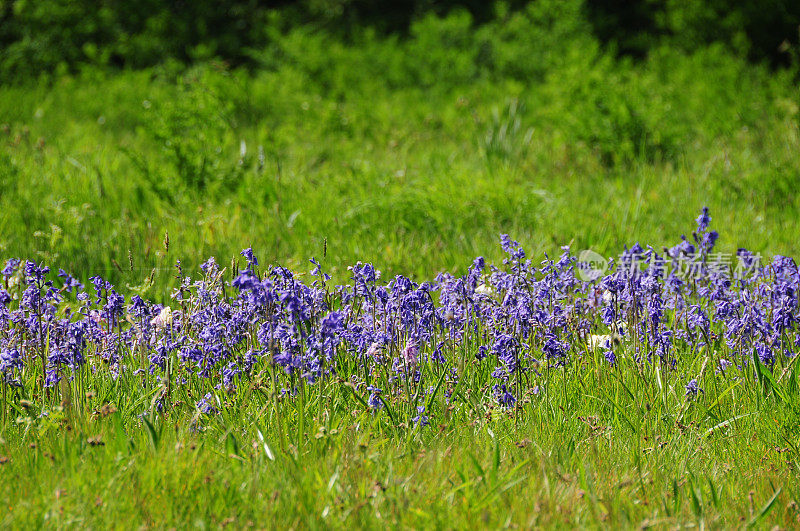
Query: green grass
{"x": 415, "y": 156}
{"x": 597, "y": 447}
{"x": 415, "y": 179}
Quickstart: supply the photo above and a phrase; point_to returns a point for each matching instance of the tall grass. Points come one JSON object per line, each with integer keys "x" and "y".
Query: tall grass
{"x": 353, "y": 144}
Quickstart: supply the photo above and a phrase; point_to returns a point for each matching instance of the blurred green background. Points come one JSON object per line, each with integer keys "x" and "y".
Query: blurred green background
{"x": 409, "y": 134}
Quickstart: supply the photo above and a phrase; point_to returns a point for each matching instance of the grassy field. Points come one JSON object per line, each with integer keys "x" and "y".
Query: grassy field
{"x": 362, "y": 147}
{"x": 413, "y": 155}
{"x": 568, "y": 461}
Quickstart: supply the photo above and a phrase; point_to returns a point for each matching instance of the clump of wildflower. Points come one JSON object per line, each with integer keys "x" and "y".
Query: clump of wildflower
{"x": 504, "y": 396}
{"x": 205, "y": 405}
{"x": 410, "y": 353}
{"x": 421, "y": 419}
{"x": 693, "y": 388}
{"x": 611, "y": 358}
{"x": 163, "y": 319}
{"x": 374, "y": 400}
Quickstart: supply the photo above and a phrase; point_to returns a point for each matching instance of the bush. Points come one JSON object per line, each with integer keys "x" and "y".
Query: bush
{"x": 520, "y": 39}
{"x": 46, "y": 35}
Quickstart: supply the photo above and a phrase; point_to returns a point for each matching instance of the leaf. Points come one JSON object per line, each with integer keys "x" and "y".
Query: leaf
{"x": 121, "y": 435}
{"x": 768, "y": 380}
{"x": 292, "y": 219}
{"x": 778, "y": 390}
{"x": 438, "y": 385}
{"x": 676, "y": 495}
{"x": 765, "y": 509}
{"x": 697, "y": 501}
{"x": 725, "y": 423}
{"x": 332, "y": 480}
{"x": 477, "y": 465}
{"x": 622, "y": 412}
{"x": 232, "y": 445}
{"x": 151, "y": 432}
{"x": 264, "y": 445}
{"x": 719, "y": 397}
{"x": 714, "y": 494}
{"x": 388, "y": 410}
{"x": 496, "y": 456}
{"x": 757, "y": 362}
{"x": 355, "y": 394}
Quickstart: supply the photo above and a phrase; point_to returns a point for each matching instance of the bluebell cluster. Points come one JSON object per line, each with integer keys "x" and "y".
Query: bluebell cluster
{"x": 401, "y": 341}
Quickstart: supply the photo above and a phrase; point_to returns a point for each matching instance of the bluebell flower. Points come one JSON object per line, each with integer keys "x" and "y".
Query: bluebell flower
{"x": 692, "y": 388}
{"x": 248, "y": 254}
{"x": 205, "y": 405}
{"x": 703, "y": 220}
{"x": 10, "y": 267}
{"x": 374, "y": 400}
{"x": 504, "y": 396}
{"x": 70, "y": 282}
{"x": 421, "y": 419}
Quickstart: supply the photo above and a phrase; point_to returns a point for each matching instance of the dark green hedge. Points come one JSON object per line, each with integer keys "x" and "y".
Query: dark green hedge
{"x": 43, "y": 36}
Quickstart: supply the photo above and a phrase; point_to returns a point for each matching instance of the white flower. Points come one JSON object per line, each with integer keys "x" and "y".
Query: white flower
{"x": 485, "y": 289}
{"x": 163, "y": 319}
{"x": 374, "y": 350}
{"x": 597, "y": 341}
{"x": 607, "y": 296}
{"x": 410, "y": 352}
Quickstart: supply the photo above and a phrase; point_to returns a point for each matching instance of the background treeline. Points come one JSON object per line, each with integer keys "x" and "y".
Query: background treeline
{"x": 45, "y": 36}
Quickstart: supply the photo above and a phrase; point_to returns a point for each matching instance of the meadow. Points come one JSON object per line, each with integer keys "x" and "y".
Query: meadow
{"x": 443, "y": 393}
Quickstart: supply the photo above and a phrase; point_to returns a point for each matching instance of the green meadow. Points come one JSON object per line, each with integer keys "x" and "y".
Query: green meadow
{"x": 414, "y": 153}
